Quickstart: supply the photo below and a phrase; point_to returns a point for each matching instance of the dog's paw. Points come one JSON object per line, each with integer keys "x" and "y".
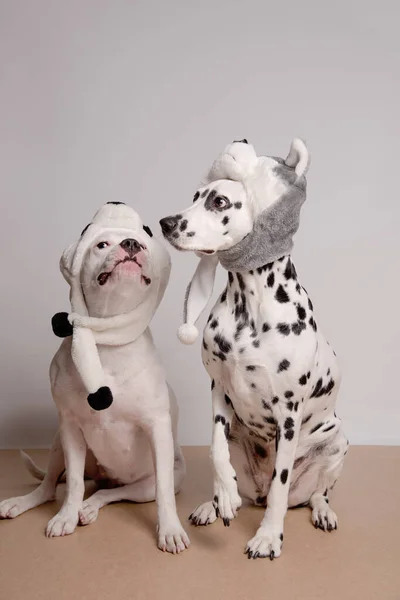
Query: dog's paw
{"x": 264, "y": 543}
{"x": 205, "y": 514}
{"x": 323, "y": 517}
{"x": 226, "y": 502}
{"x": 173, "y": 539}
{"x": 64, "y": 523}
{"x": 88, "y": 513}
{"x": 11, "y": 508}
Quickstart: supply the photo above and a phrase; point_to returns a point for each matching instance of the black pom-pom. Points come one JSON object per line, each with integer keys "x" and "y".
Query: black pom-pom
{"x": 61, "y": 326}
{"x": 148, "y": 230}
{"x": 243, "y": 141}
{"x": 101, "y": 399}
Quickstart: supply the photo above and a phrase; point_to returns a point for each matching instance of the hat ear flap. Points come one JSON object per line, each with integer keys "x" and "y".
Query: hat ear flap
{"x": 298, "y": 157}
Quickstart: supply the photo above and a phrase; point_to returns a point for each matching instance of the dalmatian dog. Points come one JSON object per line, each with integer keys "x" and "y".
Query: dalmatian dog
{"x": 277, "y": 440}
{"x": 124, "y": 434}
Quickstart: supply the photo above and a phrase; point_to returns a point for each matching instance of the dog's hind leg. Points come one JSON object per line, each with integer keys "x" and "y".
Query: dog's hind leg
{"x": 44, "y": 492}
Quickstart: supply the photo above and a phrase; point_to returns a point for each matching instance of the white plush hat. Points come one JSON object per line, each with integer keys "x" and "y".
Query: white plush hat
{"x": 273, "y": 230}
{"x": 121, "y": 329}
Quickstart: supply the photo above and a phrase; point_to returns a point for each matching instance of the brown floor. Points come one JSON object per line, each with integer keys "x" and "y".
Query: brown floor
{"x": 116, "y": 558}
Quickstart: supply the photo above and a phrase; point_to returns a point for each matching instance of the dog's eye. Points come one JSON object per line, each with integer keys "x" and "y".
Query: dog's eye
{"x": 102, "y": 245}
{"x": 220, "y": 202}
{"x": 148, "y": 230}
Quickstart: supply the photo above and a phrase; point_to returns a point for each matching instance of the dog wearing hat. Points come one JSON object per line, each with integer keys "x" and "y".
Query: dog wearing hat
{"x": 277, "y": 440}
{"x": 117, "y": 414}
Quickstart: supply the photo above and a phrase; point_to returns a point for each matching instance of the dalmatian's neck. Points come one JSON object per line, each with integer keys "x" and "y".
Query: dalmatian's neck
{"x": 262, "y": 291}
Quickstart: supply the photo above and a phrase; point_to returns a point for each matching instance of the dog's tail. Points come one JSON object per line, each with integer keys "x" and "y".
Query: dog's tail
{"x": 36, "y": 471}
{"x": 32, "y": 466}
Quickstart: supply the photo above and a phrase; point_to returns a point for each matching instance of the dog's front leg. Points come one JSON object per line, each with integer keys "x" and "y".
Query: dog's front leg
{"x": 74, "y": 447}
{"x": 269, "y": 537}
{"x": 171, "y": 535}
{"x": 226, "y": 498}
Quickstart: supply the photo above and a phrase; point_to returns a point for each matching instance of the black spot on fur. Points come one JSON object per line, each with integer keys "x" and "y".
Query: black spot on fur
{"x": 183, "y": 225}
{"x": 304, "y": 421}
{"x": 289, "y": 271}
{"x": 265, "y": 327}
{"x": 222, "y": 343}
{"x": 271, "y": 279}
{"x": 241, "y": 283}
{"x": 283, "y": 328}
{"x": 301, "y": 312}
{"x": 284, "y": 475}
{"x": 250, "y": 368}
{"x": 230, "y": 277}
{"x": 317, "y": 388}
{"x": 115, "y": 202}
{"x": 191, "y": 233}
{"x": 212, "y": 384}
{"x": 256, "y": 343}
{"x": 281, "y": 537}
{"x": 283, "y": 365}
{"x": 303, "y": 380}
{"x": 289, "y": 394}
{"x": 296, "y": 406}
{"x": 205, "y": 345}
{"x": 289, "y": 434}
{"x": 316, "y": 427}
{"x": 289, "y": 423}
{"x": 270, "y": 420}
{"x": 310, "y": 304}
{"x": 313, "y": 323}
{"x": 220, "y": 419}
{"x": 290, "y": 405}
{"x": 228, "y": 400}
{"x": 275, "y": 400}
{"x": 214, "y": 324}
{"x": 227, "y": 430}
{"x": 223, "y": 295}
{"x": 298, "y": 327}
{"x": 238, "y": 205}
{"x": 225, "y": 220}
{"x": 328, "y": 428}
{"x": 274, "y": 474}
{"x": 196, "y": 196}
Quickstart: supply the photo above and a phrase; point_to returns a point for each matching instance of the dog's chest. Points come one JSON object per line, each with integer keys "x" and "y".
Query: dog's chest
{"x": 259, "y": 341}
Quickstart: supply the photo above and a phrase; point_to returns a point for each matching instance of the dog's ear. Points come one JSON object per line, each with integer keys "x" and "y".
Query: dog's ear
{"x": 298, "y": 157}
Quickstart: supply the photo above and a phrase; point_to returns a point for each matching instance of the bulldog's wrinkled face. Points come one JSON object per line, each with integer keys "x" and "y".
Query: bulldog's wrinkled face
{"x": 117, "y": 273}
{"x": 222, "y": 213}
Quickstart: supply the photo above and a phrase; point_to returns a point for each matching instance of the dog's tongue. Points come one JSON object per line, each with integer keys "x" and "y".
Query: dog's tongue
{"x": 102, "y": 278}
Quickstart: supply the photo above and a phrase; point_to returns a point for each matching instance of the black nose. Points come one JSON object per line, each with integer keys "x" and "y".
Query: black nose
{"x": 131, "y": 246}
{"x": 169, "y": 224}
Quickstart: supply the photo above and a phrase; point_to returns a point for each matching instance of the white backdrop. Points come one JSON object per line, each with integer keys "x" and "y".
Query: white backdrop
{"x": 131, "y": 101}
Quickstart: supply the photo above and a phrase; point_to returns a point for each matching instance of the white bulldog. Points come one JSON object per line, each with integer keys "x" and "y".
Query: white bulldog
{"x": 117, "y": 414}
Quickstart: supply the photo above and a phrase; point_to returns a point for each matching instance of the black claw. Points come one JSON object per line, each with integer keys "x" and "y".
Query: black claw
{"x": 217, "y": 511}
{"x": 271, "y": 555}
{"x": 256, "y": 555}
{"x": 190, "y": 517}
{"x": 226, "y": 522}
{"x": 250, "y": 554}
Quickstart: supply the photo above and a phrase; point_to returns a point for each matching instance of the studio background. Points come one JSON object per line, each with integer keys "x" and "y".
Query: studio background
{"x": 131, "y": 101}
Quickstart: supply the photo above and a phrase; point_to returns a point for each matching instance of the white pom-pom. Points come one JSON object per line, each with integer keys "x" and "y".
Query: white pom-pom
{"x": 187, "y": 333}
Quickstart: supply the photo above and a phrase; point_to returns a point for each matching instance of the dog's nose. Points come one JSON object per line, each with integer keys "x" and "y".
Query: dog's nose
{"x": 169, "y": 224}
{"x": 130, "y": 246}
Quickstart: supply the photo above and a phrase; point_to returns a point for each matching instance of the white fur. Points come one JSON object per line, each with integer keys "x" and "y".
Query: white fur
{"x": 133, "y": 443}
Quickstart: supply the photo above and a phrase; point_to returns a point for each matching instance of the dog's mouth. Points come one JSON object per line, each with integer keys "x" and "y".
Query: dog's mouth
{"x": 104, "y": 277}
